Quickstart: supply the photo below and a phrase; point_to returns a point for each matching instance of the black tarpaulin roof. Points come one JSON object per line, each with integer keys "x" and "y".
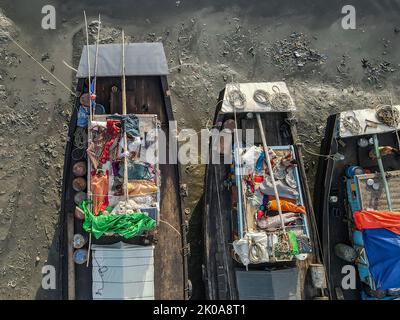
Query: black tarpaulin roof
{"x": 141, "y": 59}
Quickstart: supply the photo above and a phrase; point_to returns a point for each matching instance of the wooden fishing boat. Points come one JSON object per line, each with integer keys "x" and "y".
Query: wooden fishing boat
{"x": 150, "y": 264}
{"x": 259, "y": 229}
{"x": 357, "y": 200}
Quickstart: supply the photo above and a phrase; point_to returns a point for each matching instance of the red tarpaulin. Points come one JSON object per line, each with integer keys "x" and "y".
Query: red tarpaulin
{"x": 371, "y": 219}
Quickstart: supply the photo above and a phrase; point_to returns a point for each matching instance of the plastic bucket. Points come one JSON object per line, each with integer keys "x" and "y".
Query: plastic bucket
{"x": 318, "y": 276}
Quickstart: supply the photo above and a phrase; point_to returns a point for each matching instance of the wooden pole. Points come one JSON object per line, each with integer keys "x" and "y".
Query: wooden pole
{"x": 271, "y": 173}
{"x": 124, "y": 113}
{"x": 90, "y": 122}
{"x": 88, "y": 62}
{"x": 382, "y": 172}
{"x": 90, "y": 119}
{"x": 97, "y": 56}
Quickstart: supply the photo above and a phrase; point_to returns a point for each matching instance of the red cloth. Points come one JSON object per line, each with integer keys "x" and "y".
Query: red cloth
{"x": 371, "y": 219}
{"x": 113, "y": 131}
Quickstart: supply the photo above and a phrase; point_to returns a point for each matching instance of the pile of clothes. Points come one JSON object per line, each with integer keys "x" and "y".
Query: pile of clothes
{"x": 260, "y": 192}
{"x": 265, "y": 241}
{"x": 108, "y": 152}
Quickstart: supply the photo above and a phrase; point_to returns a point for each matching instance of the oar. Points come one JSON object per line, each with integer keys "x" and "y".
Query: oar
{"x": 271, "y": 173}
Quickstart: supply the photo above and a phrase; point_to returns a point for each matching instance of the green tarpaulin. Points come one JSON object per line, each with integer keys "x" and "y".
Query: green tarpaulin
{"x": 127, "y": 225}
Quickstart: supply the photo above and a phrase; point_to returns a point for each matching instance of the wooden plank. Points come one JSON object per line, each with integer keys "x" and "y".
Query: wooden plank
{"x": 71, "y": 263}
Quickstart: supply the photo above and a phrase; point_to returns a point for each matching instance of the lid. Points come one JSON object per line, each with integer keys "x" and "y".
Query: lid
{"x": 79, "y": 169}
{"x": 79, "y": 184}
{"x": 79, "y": 241}
{"x": 79, "y": 197}
{"x": 80, "y": 256}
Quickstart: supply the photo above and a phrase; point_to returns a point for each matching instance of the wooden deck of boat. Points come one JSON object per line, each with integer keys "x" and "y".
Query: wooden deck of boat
{"x": 145, "y": 95}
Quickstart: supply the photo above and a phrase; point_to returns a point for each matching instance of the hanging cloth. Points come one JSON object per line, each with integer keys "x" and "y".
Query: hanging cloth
{"x": 99, "y": 187}
{"x": 130, "y": 124}
{"x": 113, "y": 131}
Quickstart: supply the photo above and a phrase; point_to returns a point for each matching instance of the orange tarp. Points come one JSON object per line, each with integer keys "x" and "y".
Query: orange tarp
{"x": 371, "y": 219}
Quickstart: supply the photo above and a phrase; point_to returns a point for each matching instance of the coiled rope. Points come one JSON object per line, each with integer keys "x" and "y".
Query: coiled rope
{"x": 237, "y": 99}
{"x": 262, "y": 97}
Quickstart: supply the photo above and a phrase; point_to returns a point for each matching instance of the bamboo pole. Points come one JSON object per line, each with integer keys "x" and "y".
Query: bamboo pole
{"x": 271, "y": 173}
{"x": 88, "y": 62}
{"x": 91, "y": 111}
{"x": 124, "y": 113}
{"x": 382, "y": 172}
{"x": 89, "y": 132}
{"x": 96, "y": 59}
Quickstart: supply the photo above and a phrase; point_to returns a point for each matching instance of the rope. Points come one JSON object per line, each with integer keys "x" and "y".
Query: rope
{"x": 388, "y": 115}
{"x": 78, "y": 157}
{"x": 262, "y": 97}
{"x": 396, "y": 131}
{"x": 70, "y": 67}
{"x": 329, "y": 156}
{"x": 80, "y": 138}
{"x": 237, "y": 99}
{"x": 351, "y": 123}
{"x": 256, "y": 252}
{"x": 41, "y": 65}
{"x": 168, "y": 224}
{"x": 279, "y": 99}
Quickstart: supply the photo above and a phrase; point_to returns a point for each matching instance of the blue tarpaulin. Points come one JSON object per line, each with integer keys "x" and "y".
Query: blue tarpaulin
{"x": 383, "y": 251}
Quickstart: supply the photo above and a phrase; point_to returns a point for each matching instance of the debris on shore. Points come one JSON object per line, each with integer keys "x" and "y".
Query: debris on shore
{"x": 295, "y": 52}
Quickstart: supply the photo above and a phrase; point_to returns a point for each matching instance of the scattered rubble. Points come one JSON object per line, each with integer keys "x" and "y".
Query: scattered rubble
{"x": 295, "y": 52}
{"x": 377, "y": 71}
{"x": 7, "y": 28}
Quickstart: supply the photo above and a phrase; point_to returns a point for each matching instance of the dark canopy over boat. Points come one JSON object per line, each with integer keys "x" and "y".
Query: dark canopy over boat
{"x": 358, "y": 205}
{"x": 259, "y": 228}
{"x": 138, "y": 255}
